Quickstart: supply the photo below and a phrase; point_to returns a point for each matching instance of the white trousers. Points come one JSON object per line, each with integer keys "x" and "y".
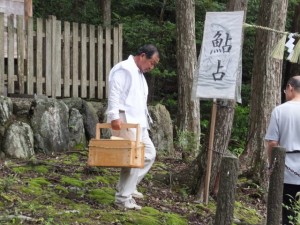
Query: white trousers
{"x": 131, "y": 177}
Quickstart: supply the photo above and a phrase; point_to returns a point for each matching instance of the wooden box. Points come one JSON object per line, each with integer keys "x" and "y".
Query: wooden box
{"x": 116, "y": 153}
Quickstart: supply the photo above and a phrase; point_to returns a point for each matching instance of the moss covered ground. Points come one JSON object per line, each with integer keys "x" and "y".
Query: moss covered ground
{"x": 61, "y": 189}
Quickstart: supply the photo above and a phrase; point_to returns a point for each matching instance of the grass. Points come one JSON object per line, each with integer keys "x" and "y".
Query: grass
{"x": 63, "y": 190}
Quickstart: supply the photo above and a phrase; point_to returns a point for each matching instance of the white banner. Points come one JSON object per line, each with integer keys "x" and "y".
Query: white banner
{"x": 219, "y": 64}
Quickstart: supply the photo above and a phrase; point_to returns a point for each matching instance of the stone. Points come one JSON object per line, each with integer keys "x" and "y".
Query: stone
{"x": 18, "y": 141}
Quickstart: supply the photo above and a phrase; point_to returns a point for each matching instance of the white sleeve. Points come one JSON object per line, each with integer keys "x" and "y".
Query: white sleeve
{"x": 117, "y": 83}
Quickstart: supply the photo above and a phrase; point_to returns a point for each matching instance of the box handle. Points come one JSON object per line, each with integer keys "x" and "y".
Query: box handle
{"x": 123, "y": 126}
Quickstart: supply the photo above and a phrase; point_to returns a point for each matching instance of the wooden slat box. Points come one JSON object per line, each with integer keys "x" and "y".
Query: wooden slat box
{"x": 116, "y": 153}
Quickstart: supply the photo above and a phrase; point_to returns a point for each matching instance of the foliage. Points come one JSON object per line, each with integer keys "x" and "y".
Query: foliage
{"x": 239, "y": 131}
{"x": 154, "y": 21}
{"x": 143, "y": 22}
{"x": 295, "y": 207}
{"x": 7, "y": 183}
{"x": 80, "y": 11}
{"x": 246, "y": 214}
{"x": 186, "y": 141}
{"x": 290, "y": 14}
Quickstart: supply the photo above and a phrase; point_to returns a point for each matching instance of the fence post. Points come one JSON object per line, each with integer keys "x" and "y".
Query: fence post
{"x": 2, "y": 86}
{"x": 274, "y": 205}
{"x": 226, "y": 194}
{"x": 54, "y": 60}
{"x": 20, "y": 53}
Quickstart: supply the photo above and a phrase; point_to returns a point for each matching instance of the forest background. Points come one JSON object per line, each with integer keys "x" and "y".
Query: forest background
{"x": 154, "y": 21}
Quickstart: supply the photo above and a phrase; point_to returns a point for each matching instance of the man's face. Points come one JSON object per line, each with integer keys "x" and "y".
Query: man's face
{"x": 146, "y": 64}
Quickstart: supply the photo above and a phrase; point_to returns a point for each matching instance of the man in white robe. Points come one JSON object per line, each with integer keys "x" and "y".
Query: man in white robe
{"x": 127, "y": 103}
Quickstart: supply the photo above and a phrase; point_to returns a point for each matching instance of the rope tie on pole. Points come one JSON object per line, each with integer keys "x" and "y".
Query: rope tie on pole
{"x": 278, "y": 51}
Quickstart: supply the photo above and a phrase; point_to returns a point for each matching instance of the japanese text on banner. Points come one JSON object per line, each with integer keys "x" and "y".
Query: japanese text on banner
{"x": 218, "y": 71}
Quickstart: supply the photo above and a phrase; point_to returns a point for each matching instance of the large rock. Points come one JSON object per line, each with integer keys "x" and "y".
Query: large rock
{"x": 21, "y": 106}
{"x": 161, "y": 131}
{"x": 88, "y": 112}
{"x": 6, "y": 109}
{"x": 100, "y": 107}
{"x": 59, "y": 125}
{"x": 76, "y": 128}
{"x": 49, "y": 122}
{"x": 90, "y": 119}
{"x": 18, "y": 140}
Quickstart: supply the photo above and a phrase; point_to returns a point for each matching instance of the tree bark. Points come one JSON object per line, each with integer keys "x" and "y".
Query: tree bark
{"x": 188, "y": 110}
{"x": 276, "y": 186}
{"x": 106, "y": 12}
{"x": 226, "y": 196}
{"x": 162, "y": 11}
{"x": 265, "y": 85}
{"x": 224, "y": 121}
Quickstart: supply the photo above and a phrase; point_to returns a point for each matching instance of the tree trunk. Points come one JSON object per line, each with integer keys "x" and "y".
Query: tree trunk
{"x": 224, "y": 121}
{"x": 276, "y": 186}
{"x": 162, "y": 11}
{"x": 188, "y": 110}
{"x": 106, "y": 12}
{"x": 226, "y": 196}
{"x": 293, "y": 69}
{"x": 266, "y": 87}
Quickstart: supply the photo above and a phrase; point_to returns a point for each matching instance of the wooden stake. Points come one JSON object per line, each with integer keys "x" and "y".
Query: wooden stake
{"x": 210, "y": 149}
{"x": 27, "y": 10}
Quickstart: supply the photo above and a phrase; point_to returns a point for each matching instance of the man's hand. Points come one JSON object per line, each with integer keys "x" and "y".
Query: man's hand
{"x": 116, "y": 124}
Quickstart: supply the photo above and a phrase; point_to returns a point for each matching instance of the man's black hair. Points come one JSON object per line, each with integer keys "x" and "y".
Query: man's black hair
{"x": 148, "y": 49}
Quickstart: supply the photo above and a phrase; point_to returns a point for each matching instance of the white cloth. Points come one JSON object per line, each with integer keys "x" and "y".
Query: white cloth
{"x": 131, "y": 177}
{"x": 127, "y": 100}
{"x": 284, "y": 128}
{"x": 128, "y": 91}
{"x": 219, "y": 63}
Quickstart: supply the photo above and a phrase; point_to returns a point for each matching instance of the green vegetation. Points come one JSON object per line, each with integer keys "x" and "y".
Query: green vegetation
{"x": 246, "y": 214}
{"x": 155, "y": 22}
{"x": 71, "y": 193}
{"x": 186, "y": 142}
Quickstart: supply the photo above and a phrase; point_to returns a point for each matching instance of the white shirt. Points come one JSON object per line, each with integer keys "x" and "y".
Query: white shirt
{"x": 128, "y": 91}
{"x": 284, "y": 128}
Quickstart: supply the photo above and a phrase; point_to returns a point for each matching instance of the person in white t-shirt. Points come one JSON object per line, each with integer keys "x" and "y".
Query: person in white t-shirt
{"x": 284, "y": 131}
{"x": 127, "y": 103}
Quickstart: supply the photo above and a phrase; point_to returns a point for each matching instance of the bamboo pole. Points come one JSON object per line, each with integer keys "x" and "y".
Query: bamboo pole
{"x": 209, "y": 153}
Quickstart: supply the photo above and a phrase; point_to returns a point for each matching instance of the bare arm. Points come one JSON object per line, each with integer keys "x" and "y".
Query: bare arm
{"x": 271, "y": 144}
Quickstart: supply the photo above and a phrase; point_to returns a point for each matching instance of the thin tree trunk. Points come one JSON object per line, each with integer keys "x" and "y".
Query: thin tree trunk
{"x": 188, "y": 110}
{"x": 226, "y": 196}
{"x": 162, "y": 12}
{"x": 266, "y": 87}
{"x": 224, "y": 121}
{"x": 276, "y": 186}
{"x": 106, "y": 12}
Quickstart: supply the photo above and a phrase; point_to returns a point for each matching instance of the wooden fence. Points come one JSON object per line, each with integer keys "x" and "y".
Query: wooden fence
{"x": 56, "y": 59}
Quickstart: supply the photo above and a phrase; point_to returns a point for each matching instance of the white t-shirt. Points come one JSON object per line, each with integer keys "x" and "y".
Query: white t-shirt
{"x": 284, "y": 128}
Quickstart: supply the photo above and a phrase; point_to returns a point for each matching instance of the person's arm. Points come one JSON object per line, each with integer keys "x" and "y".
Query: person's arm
{"x": 116, "y": 88}
{"x": 270, "y": 146}
{"x": 272, "y": 135}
